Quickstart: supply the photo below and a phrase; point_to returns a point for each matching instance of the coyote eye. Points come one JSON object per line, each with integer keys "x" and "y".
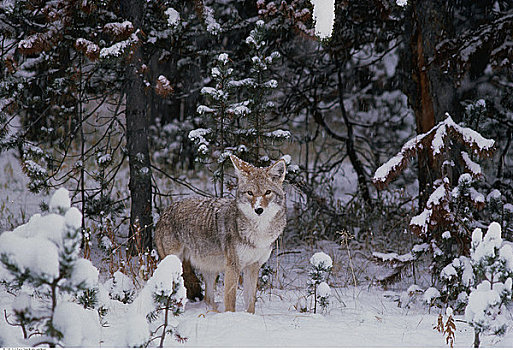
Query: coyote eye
{"x": 268, "y": 192}
{"x": 250, "y": 193}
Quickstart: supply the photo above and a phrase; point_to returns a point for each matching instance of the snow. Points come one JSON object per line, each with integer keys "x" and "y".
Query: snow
{"x": 436, "y": 197}
{"x": 365, "y": 312}
{"x": 89, "y": 47}
{"x": 324, "y": 14}
{"x": 212, "y": 26}
{"x": 473, "y": 167}
{"x": 202, "y": 109}
{"x": 430, "y": 294}
{"x": 506, "y": 254}
{"x": 73, "y": 218}
{"x": 60, "y": 201}
{"x": 223, "y": 58}
{"x": 84, "y": 273}
{"x": 448, "y": 272}
{"x": 418, "y": 248}
{"x": 477, "y": 237}
{"x": 243, "y": 82}
{"x": 321, "y": 260}
{"x": 438, "y": 140}
{"x": 137, "y": 331}
{"x": 323, "y": 290}
{"x": 104, "y": 159}
{"x": 33, "y": 255}
{"x": 287, "y": 158}
{"x": 173, "y": 17}
{"x": 119, "y": 48}
{"x": 491, "y": 241}
{"x": 479, "y": 301}
{"x": 401, "y": 3}
{"x": 391, "y": 165}
{"x": 471, "y": 136}
{"x": 271, "y": 84}
{"x": 284, "y": 134}
{"x": 120, "y": 286}
{"x": 393, "y": 256}
{"x": 494, "y": 195}
{"x": 216, "y": 94}
{"x": 422, "y": 220}
{"x": 79, "y": 327}
{"x": 22, "y": 303}
{"x": 118, "y": 28}
{"x": 34, "y": 168}
{"x": 239, "y": 110}
{"x": 163, "y": 282}
{"x": 475, "y": 196}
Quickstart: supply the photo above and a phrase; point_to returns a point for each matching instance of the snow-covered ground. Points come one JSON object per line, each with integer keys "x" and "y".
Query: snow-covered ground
{"x": 365, "y": 315}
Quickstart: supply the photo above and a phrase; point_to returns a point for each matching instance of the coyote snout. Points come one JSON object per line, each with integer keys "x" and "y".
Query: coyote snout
{"x": 228, "y": 235}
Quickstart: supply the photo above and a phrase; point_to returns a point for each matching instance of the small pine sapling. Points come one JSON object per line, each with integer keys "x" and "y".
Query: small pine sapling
{"x": 447, "y": 209}
{"x": 500, "y": 211}
{"x": 320, "y": 269}
{"x": 457, "y": 278}
{"x": 162, "y": 299}
{"x": 42, "y": 256}
{"x": 121, "y": 288}
{"x": 492, "y": 263}
{"x": 266, "y": 273}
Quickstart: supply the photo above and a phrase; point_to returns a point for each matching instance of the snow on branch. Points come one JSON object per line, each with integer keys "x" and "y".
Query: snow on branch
{"x": 163, "y": 87}
{"x": 88, "y": 48}
{"x": 120, "y": 47}
{"x": 119, "y": 30}
{"x": 207, "y": 16}
{"x": 391, "y": 169}
{"x": 437, "y": 205}
{"x": 436, "y": 140}
{"x": 470, "y": 166}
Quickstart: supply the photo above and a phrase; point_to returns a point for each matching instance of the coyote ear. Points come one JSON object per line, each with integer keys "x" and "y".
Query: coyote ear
{"x": 242, "y": 169}
{"x": 277, "y": 171}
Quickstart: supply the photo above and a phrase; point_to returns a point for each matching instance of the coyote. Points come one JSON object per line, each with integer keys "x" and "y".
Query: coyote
{"x": 231, "y": 235}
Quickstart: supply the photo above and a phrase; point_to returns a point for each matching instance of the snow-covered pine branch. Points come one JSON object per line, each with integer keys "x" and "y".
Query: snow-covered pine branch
{"x": 436, "y": 141}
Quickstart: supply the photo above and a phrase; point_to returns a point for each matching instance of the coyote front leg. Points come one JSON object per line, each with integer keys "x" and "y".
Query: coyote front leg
{"x": 250, "y": 285}
{"x": 231, "y": 278}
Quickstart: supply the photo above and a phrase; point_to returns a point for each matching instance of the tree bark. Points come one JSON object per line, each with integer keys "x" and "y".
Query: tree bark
{"x": 137, "y": 136}
{"x": 431, "y": 91}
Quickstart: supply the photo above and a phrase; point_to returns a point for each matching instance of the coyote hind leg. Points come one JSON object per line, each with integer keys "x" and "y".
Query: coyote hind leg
{"x": 191, "y": 282}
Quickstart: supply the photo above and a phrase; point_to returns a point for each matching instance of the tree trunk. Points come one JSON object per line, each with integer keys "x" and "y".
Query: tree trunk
{"x": 477, "y": 341}
{"x": 431, "y": 91}
{"x": 137, "y": 137}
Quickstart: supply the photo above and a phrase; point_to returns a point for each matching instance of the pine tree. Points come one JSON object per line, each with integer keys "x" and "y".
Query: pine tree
{"x": 445, "y": 221}
{"x": 492, "y": 263}
{"x": 43, "y": 256}
{"x": 161, "y": 300}
{"x": 237, "y": 113}
{"x": 321, "y": 265}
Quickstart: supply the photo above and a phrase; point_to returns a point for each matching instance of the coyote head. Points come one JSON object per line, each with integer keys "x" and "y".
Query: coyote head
{"x": 260, "y": 191}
